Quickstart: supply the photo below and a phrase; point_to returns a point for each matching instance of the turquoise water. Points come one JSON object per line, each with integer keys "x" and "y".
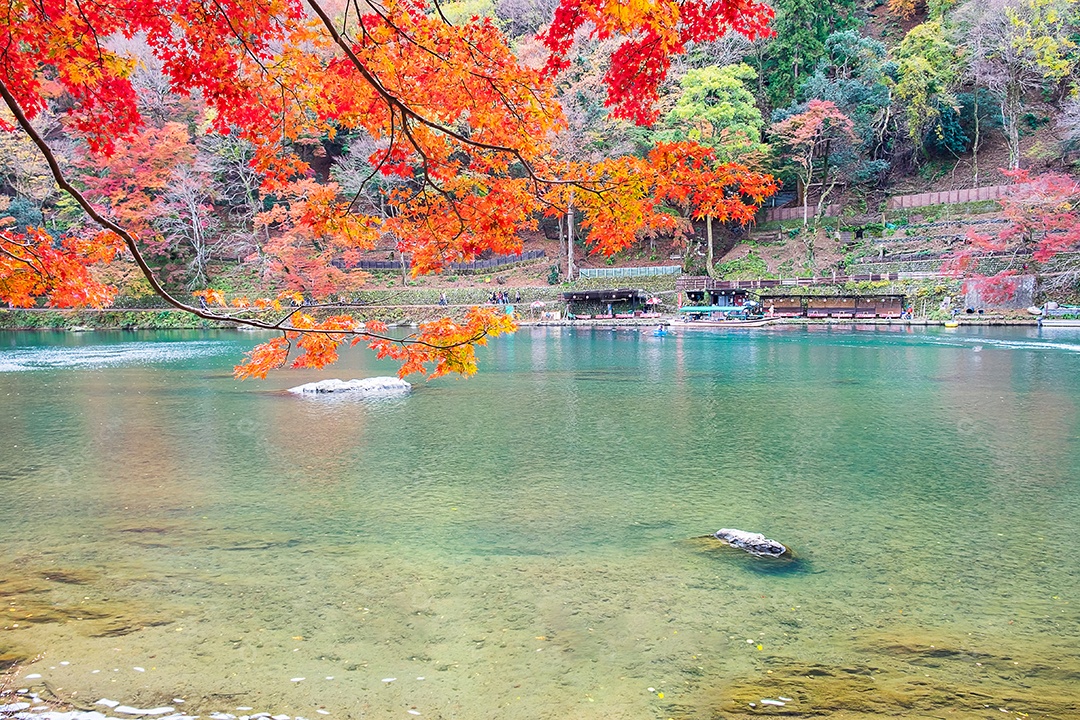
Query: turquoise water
{"x": 527, "y": 541}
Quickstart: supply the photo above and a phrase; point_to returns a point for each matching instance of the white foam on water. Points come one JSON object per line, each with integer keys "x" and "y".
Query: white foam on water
{"x": 108, "y": 355}
{"x": 999, "y": 344}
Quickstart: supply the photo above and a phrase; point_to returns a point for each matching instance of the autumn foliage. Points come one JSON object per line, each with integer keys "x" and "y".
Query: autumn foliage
{"x": 32, "y": 266}
{"x": 1042, "y": 214}
{"x": 462, "y": 126}
{"x": 654, "y": 32}
{"x": 629, "y": 194}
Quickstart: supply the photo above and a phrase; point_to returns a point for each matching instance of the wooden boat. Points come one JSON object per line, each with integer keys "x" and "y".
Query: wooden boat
{"x": 751, "y": 323}
{"x": 1058, "y": 322}
{"x": 721, "y": 316}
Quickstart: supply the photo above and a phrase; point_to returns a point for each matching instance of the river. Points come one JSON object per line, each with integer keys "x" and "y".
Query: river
{"x": 527, "y": 543}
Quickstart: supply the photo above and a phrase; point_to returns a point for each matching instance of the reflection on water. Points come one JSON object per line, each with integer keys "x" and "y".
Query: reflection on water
{"x": 529, "y": 541}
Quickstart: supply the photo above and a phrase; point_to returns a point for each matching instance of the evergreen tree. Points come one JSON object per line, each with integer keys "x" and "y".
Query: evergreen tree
{"x": 802, "y": 28}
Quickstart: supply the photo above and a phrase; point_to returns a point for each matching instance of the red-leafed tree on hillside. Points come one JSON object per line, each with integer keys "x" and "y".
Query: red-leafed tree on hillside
{"x": 813, "y": 137}
{"x": 1043, "y": 221}
{"x": 451, "y": 111}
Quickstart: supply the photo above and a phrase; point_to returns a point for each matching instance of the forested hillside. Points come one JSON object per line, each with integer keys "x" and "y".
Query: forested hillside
{"x": 844, "y": 101}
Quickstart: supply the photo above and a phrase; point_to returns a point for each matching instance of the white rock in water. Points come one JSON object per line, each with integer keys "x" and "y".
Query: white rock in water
{"x": 753, "y": 543}
{"x": 364, "y": 388}
{"x": 107, "y": 703}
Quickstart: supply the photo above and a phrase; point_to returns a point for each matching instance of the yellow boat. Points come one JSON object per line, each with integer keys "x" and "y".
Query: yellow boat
{"x": 952, "y": 324}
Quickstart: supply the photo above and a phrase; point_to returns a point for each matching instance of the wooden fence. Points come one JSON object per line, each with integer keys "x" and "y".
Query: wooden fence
{"x": 796, "y": 213}
{"x": 947, "y": 197}
{"x": 899, "y": 202}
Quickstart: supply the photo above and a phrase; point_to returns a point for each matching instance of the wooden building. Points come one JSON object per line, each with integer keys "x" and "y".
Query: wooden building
{"x": 731, "y": 297}
{"x": 606, "y": 304}
{"x": 835, "y": 306}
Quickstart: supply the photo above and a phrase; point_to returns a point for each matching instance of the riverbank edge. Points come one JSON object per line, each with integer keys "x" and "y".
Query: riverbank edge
{"x": 409, "y": 316}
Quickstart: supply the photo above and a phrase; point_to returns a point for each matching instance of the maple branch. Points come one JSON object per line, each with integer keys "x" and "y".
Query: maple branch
{"x": 407, "y": 36}
{"x": 93, "y": 31}
{"x": 438, "y": 9}
{"x": 24, "y": 261}
{"x": 407, "y": 111}
{"x": 132, "y": 245}
{"x": 472, "y": 47}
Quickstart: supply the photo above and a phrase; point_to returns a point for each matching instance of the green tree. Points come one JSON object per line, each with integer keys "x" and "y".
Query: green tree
{"x": 716, "y": 109}
{"x": 929, "y": 66}
{"x": 856, "y": 75}
{"x": 802, "y": 27}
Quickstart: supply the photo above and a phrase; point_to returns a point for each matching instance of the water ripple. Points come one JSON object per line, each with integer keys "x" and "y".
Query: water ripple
{"x": 99, "y": 356}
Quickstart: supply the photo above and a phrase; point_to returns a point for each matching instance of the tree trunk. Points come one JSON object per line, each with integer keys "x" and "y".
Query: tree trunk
{"x": 709, "y": 269}
{"x": 975, "y": 143}
{"x": 570, "y": 239}
{"x": 1010, "y": 114}
{"x": 825, "y": 191}
{"x": 806, "y": 197}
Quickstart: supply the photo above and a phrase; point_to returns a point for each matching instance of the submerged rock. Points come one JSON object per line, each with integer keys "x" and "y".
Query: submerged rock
{"x": 753, "y": 543}
{"x": 376, "y": 386}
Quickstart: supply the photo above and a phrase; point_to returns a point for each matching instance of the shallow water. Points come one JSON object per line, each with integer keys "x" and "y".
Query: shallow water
{"x": 528, "y": 541}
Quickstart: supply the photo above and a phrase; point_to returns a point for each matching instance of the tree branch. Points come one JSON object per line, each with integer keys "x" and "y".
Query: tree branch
{"x": 132, "y": 245}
